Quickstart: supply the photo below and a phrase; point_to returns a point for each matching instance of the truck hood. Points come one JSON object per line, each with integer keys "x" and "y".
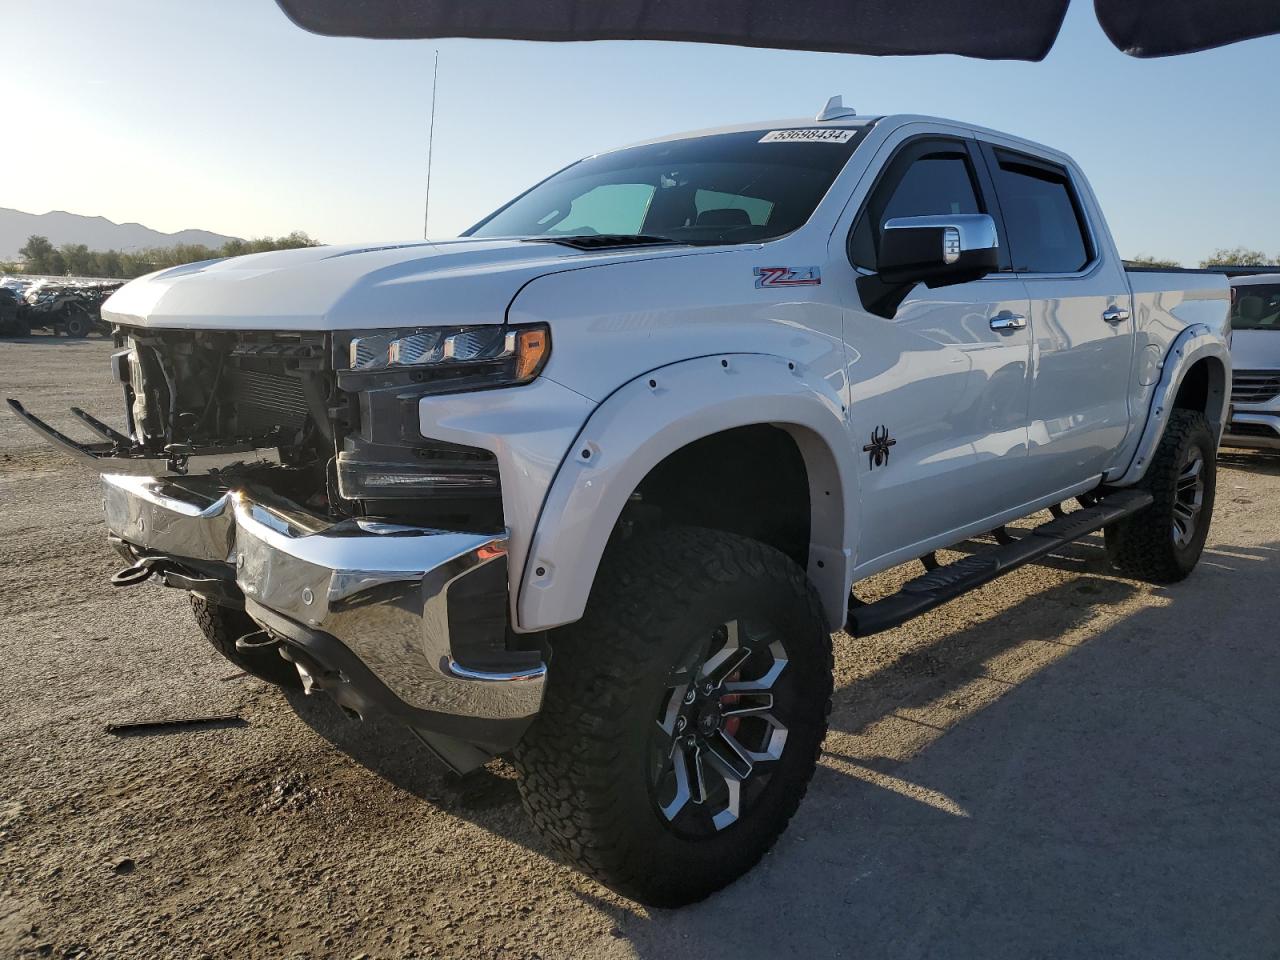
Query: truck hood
{"x": 464, "y": 281}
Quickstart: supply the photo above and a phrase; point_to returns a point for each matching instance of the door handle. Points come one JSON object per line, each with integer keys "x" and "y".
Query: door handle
{"x": 1008, "y": 321}
{"x": 1114, "y": 314}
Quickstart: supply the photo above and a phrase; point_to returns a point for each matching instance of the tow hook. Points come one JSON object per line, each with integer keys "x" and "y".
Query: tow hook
{"x": 140, "y": 572}
{"x": 258, "y": 641}
{"x": 314, "y": 676}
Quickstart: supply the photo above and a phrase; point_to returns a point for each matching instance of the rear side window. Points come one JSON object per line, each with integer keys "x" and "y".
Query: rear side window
{"x": 930, "y": 180}
{"x": 1042, "y": 216}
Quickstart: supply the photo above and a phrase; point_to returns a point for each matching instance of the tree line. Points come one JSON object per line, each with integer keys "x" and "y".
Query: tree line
{"x": 39, "y": 256}
{"x": 1234, "y": 257}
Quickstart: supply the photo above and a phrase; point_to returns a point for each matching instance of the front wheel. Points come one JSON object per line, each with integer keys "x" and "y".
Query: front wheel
{"x": 1163, "y": 543}
{"x": 684, "y": 715}
{"x": 222, "y": 626}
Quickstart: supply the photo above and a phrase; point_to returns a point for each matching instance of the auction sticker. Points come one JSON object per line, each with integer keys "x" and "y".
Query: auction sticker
{"x": 809, "y": 135}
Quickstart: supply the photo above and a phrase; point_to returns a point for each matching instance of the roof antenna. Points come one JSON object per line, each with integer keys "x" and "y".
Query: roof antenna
{"x": 431, "y": 139}
{"x": 836, "y": 110}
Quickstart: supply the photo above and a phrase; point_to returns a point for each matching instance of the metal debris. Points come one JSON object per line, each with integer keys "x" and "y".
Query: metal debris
{"x": 143, "y": 728}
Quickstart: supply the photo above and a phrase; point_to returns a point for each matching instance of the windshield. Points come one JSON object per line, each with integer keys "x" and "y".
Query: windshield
{"x": 1256, "y": 307}
{"x": 726, "y": 188}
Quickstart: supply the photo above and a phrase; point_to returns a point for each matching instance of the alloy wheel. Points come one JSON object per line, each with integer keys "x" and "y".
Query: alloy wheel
{"x": 1188, "y": 497}
{"x": 719, "y": 728}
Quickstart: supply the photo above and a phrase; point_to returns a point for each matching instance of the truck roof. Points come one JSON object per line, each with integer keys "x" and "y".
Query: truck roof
{"x": 847, "y": 122}
{"x": 759, "y": 125}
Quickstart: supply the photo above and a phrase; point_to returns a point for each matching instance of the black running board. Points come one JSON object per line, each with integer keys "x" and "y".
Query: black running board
{"x": 948, "y": 582}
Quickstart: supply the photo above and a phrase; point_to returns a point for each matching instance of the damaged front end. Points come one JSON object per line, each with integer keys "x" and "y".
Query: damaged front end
{"x": 286, "y": 474}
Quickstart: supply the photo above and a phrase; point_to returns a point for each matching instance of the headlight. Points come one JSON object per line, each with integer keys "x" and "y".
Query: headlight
{"x": 501, "y": 354}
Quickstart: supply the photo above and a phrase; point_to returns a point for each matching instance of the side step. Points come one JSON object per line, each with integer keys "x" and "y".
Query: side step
{"x": 945, "y": 583}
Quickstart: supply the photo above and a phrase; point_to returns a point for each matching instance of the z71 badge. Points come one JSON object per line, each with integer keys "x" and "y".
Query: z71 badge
{"x": 788, "y": 276}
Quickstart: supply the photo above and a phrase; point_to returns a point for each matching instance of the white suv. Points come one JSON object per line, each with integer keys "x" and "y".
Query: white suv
{"x": 1255, "y": 354}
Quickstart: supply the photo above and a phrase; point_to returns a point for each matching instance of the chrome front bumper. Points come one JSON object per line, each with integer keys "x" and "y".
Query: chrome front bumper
{"x": 405, "y": 605}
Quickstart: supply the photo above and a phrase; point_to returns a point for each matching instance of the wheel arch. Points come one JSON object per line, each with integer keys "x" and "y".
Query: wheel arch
{"x": 1197, "y": 376}
{"x": 655, "y": 417}
{"x": 1205, "y": 388}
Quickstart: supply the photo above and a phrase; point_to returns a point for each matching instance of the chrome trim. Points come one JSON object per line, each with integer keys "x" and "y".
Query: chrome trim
{"x": 1271, "y": 420}
{"x": 1250, "y": 440}
{"x": 962, "y": 232}
{"x": 1008, "y": 321}
{"x": 142, "y": 511}
{"x": 1114, "y": 314}
{"x": 380, "y": 589}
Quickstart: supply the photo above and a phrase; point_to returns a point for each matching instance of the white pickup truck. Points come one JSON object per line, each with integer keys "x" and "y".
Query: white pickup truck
{"x": 593, "y": 484}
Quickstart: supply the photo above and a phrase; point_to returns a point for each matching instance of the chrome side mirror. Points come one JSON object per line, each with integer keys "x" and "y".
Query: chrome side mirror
{"x": 938, "y": 251}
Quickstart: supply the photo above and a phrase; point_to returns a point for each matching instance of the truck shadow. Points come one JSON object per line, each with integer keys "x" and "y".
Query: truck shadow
{"x": 1074, "y": 776}
{"x": 1264, "y": 462}
{"x": 1109, "y": 799}
{"x": 390, "y": 751}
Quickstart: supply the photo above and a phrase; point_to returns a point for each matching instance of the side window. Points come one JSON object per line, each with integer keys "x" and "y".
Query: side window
{"x": 928, "y": 179}
{"x": 1042, "y": 216}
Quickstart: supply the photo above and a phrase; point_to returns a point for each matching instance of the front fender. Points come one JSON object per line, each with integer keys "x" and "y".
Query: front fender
{"x": 1197, "y": 342}
{"x": 653, "y": 416}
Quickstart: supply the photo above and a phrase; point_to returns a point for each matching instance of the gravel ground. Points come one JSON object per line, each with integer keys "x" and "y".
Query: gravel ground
{"x": 1063, "y": 764}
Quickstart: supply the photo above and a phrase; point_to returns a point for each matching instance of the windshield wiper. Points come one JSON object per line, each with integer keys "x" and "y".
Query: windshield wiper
{"x": 602, "y": 241}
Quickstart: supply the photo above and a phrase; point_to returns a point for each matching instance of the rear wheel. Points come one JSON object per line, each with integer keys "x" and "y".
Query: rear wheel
{"x": 1163, "y": 543}
{"x": 684, "y": 715}
{"x": 78, "y": 324}
{"x": 223, "y": 626}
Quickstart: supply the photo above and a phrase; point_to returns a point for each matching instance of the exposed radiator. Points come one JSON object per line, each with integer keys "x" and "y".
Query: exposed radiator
{"x": 265, "y": 400}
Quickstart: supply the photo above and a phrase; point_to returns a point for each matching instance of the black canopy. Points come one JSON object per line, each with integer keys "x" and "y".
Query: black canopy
{"x": 991, "y": 29}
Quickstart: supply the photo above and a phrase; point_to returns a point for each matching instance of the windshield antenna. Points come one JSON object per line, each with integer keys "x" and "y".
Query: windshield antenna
{"x": 431, "y": 138}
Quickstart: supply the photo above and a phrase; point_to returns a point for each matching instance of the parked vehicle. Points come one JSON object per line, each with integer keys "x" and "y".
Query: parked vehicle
{"x": 593, "y": 484}
{"x": 12, "y": 322}
{"x": 18, "y": 285}
{"x": 1255, "y": 353}
{"x": 68, "y": 307}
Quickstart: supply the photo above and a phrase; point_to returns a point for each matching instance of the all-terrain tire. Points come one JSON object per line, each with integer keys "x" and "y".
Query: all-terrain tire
{"x": 1145, "y": 545}
{"x": 223, "y": 626}
{"x": 585, "y": 765}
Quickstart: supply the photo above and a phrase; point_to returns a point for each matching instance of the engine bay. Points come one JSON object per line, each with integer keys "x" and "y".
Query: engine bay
{"x": 285, "y": 413}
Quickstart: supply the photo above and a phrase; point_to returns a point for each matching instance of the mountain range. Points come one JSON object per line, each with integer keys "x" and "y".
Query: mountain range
{"x": 98, "y": 233}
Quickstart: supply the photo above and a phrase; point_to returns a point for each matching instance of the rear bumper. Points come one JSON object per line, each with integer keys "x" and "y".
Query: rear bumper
{"x": 402, "y": 620}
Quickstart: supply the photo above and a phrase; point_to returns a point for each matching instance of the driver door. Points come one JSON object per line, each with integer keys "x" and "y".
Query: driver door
{"x": 939, "y": 393}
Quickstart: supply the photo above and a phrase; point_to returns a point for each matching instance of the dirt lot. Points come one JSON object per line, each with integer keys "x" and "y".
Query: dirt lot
{"x": 1066, "y": 764}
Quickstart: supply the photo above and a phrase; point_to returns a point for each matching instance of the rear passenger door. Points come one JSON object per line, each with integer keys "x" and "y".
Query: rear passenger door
{"x": 1081, "y": 319}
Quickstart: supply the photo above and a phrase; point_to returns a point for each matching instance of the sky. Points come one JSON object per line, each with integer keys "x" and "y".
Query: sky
{"x": 227, "y": 117}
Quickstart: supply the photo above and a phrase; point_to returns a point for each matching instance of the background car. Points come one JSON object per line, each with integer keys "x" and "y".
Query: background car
{"x": 1255, "y": 355}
